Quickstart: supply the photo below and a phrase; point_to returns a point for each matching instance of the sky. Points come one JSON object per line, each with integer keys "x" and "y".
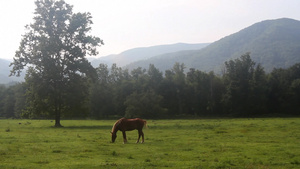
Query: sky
{"x": 127, "y": 24}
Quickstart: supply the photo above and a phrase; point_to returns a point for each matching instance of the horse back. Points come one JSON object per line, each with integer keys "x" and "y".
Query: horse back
{"x": 132, "y": 124}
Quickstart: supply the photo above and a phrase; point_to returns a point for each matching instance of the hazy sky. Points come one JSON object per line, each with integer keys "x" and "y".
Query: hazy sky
{"x": 126, "y": 24}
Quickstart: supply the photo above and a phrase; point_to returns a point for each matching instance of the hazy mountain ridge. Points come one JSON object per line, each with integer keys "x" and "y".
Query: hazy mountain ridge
{"x": 163, "y": 61}
{"x": 143, "y": 53}
{"x": 5, "y": 71}
{"x": 272, "y": 43}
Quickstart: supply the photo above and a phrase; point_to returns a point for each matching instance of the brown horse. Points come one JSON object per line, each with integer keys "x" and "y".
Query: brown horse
{"x": 127, "y": 125}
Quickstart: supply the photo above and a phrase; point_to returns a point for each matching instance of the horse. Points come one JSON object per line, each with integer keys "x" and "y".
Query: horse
{"x": 124, "y": 124}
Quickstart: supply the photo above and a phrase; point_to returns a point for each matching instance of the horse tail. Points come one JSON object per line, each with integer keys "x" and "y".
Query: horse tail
{"x": 145, "y": 124}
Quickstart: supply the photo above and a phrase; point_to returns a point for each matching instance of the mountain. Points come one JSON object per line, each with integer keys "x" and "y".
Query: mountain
{"x": 143, "y": 53}
{"x": 5, "y": 71}
{"x": 272, "y": 43}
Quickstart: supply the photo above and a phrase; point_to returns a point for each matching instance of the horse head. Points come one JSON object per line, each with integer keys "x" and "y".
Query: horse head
{"x": 113, "y": 137}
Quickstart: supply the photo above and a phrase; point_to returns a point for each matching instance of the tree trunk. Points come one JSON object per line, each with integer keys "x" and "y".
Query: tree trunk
{"x": 57, "y": 116}
{"x": 57, "y": 121}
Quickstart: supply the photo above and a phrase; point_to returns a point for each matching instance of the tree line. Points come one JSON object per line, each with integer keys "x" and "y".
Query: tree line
{"x": 243, "y": 90}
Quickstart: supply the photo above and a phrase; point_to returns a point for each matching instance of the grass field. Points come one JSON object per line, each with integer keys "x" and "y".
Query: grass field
{"x": 205, "y": 143}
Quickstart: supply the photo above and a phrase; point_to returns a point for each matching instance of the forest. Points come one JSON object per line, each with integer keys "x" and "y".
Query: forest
{"x": 243, "y": 90}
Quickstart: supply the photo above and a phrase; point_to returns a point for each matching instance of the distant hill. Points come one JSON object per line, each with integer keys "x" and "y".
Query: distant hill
{"x": 5, "y": 71}
{"x": 143, "y": 53}
{"x": 272, "y": 43}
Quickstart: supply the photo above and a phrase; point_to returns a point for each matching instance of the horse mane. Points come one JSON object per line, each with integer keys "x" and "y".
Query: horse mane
{"x": 116, "y": 124}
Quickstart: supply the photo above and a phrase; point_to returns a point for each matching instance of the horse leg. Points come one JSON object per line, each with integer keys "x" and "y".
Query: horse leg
{"x": 138, "y": 137}
{"x": 140, "y": 134}
{"x": 124, "y": 137}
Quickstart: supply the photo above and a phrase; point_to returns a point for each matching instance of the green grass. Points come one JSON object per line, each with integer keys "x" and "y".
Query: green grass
{"x": 209, "y": 143}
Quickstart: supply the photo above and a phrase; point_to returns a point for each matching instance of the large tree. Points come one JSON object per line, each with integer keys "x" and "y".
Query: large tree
{"x": 54, "y": 48}
{"x": 242, "y": 80}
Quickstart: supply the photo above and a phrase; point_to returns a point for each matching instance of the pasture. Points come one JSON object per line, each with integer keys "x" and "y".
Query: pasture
{"x": 204, "y": 143}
